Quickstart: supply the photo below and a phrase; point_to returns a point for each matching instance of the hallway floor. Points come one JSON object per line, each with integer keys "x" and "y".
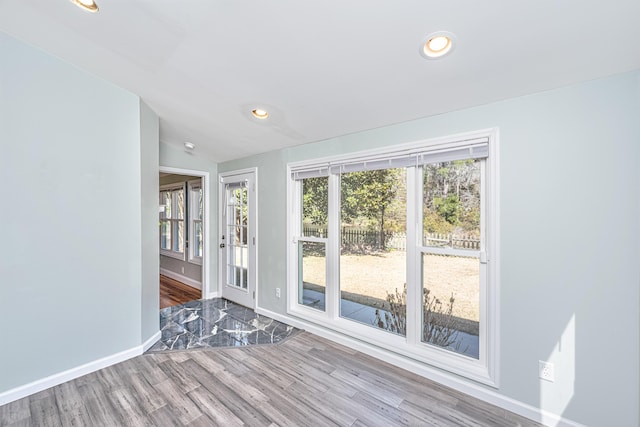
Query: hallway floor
{"x": 173, "y": 292}
{"x": 216, "y": 322}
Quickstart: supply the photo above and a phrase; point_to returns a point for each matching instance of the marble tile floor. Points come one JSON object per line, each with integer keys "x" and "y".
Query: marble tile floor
{"x": 216, "y": 323}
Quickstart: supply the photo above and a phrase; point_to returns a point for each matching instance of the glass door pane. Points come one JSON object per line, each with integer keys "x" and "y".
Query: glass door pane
{"x": 236, "y": 230}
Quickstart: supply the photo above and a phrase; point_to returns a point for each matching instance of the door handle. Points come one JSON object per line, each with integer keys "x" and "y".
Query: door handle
{"x": 221, "y": 245}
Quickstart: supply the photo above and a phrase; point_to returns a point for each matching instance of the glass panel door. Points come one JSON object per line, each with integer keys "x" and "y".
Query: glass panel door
{"x": 237, "y": 239}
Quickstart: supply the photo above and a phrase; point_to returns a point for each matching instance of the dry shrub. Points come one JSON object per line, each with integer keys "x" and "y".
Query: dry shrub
{"x": 440, "y": 326}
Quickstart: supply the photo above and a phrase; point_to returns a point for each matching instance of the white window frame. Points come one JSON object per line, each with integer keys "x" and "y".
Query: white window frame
{"x": 170, "y": 252}
{"x": 193, "y": 186}
{"x": 485, "y": 369}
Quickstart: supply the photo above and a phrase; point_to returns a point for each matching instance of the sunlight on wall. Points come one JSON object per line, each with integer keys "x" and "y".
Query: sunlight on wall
{"x": 556, "y": 396}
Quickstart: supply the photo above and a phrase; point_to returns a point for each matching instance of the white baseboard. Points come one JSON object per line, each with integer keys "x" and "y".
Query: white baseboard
{"x": 73, "y": 373}
{"x": 213, "y": 295}
{"x": 469, "y": 388}
{"x": 151, "y": 341}
{"x": 180, "y": 278}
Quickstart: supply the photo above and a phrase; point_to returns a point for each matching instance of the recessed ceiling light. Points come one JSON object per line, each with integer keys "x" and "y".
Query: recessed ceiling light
{"x": 89, "y": 5}
{"x": 189, "y": 145}
{"x": 437, "y": 45}
{"x": 259, "y": 113}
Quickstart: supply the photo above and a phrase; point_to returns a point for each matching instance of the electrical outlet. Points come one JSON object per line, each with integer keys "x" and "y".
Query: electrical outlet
{"x": 546, "y": 371}
{"x": 277, "y": 292}
{"x": 182, "y": 268}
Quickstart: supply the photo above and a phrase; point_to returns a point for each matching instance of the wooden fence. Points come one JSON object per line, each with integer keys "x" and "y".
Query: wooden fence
{"x": 363, "y": 240}
{"x": 457, "y": 241}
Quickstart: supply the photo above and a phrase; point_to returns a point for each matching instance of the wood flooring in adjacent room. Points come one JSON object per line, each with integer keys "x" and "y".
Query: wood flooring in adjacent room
{"x": 173, "y": 292}
{"x": 305, "y": 381}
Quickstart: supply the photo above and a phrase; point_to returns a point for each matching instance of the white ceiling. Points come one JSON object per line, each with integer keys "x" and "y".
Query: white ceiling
{"x": 325, "y": 68}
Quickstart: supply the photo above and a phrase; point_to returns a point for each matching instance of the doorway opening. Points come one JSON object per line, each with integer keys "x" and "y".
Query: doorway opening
{"x": 183, "y": 236}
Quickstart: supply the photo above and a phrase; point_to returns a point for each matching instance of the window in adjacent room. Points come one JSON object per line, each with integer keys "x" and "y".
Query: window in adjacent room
{"x": 195, "y": 221}
{"x": 172, "y": 218}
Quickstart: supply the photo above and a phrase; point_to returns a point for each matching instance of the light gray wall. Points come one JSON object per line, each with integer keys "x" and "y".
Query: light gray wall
{"x": 570, "y": 209}
{"x": 172, "y": 179}
{"x": 183, "y": 268}
{"x": 171, "y": 156}
{"x": 149, "y": 161}
{"x": 272, "y": 221}
{"x": 71, "y": 214}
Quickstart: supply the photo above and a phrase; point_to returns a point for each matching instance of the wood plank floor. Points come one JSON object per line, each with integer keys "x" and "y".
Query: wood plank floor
{"x": 173, "y": 292}
{"x": 305, "y": 381}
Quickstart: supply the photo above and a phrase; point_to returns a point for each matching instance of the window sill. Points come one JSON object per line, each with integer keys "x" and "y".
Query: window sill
{"x": 171, "y": 254}
{"x": 443, "y": 359}
{"x": 197, "y": 261}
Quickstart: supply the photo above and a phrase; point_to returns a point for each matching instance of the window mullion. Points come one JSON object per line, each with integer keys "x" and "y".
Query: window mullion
{"x": 484, "y": 291}
{"x": 333, "y": 249}
{"x": 296, "y": 232}
{"x": 414, "y": 221}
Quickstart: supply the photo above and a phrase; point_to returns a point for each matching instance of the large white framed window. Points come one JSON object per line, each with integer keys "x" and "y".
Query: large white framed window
{"x": 195, "y": 212}
{"x": 172, "y": 221}
{"x": 398, "y": 247}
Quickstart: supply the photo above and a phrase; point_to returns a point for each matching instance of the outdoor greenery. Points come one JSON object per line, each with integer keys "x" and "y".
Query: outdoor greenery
{"x": 315, "y": 201}
{"x": 376, "y": 200}
{"x": 440, "y": 327}
{"x": 452, "y": 197}
{"x": 370, "y": 200}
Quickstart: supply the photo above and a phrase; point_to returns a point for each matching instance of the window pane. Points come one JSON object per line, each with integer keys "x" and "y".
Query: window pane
{"x": 179, "y": 198}
{"x": 315, "y": 207}
{"x": 372, "y": 264}
{"x": 237, "y": 267}
{"x": 241, "y": 235}
{"x": 166, "y": 201}
{"x": 198, "y": 213}
{"x": 244, "y": 278}
{"x": 312, "y": 268}
{"x": 238, "y": 209}
{"x": 245, "y": 257}
{"x": 178, "y": 232}
{"x": 238, "y": 216}
{"x": 451, "y": 211}
{"x": 239, "y": 200}
{"x": 231, "y": 253}
{"x": 237, "y": 276}
{"x": 451, "y": 303}
{"x": 231, "y": 276}
{"x": 242, "y": 261}
{"x": 165, "y": 235}
{"x": 197, "y": 234}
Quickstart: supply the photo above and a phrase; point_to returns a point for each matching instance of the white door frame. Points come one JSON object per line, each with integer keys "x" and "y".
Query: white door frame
{"x": 253, "y": 233}
{"x": 207, "y": 292}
